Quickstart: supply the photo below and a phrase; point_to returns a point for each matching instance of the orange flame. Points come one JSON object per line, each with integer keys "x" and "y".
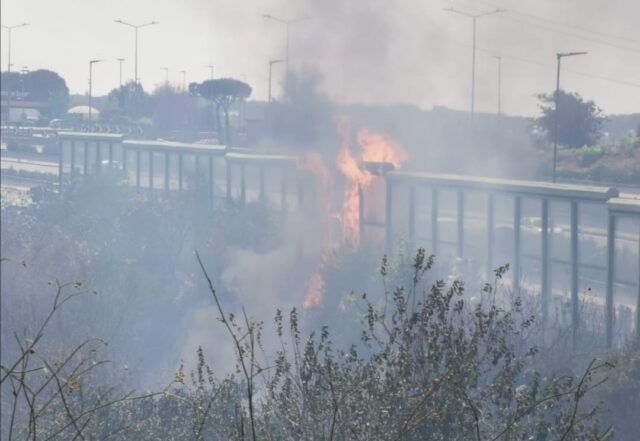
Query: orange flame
{"x": 315, "y": 291}
{"x": 375, "y": 148}
{"x": 379, "y": 148}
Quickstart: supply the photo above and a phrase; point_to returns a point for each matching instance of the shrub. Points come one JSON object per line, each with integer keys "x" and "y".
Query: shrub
{"x": 430, "y": 364}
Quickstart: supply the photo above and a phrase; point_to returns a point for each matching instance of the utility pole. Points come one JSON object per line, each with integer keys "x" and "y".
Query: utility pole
{"x": 473, "y": 53}
{"x": 556, "y": 100}
{"x": 9, "y": 29}
{"x": 184, "y": 79}
{"x": 287, "y": 24}
{"x": 499, "y": 58}
{"x": 91, "y": 63}
{"x": 166, "y": 76}
{"x": 271, "y": 63}
{"x": 136, "y": 27}
{"x": 120, "y": 60}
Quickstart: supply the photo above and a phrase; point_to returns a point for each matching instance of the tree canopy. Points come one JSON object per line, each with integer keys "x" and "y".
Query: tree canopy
{"x": 579, "y": 121}
{"x": 132, "y": 100}
{"x": 39, "y": 85}
{"x": 223, "y": 92}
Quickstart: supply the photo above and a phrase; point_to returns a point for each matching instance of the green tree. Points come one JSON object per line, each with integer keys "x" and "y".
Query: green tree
{"x": 223, "y": 92}
{"x": 132, "y": 100}
{"x": 39, "y": 85}
{"x": 579, "y": 121}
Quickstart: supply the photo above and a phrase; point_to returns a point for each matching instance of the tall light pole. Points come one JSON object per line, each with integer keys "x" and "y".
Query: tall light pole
{"x": 91, "y": 63}
{"x": 166, "y": 76}
{"x": 556, "y": 100}
{"x": 473, "y": 54}
{"x": 9, "y": 29}
{"x": 120, "y": 60}
{"x": 136, "y": 27}
{"x": 184, "y": 79}
{"x": 287, "y": 24}
{"x": 271, "y": 63}
{"x": 499, "y": 58}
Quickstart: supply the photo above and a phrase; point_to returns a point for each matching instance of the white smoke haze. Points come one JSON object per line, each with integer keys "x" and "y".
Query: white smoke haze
{"x": 368, "y": 52}
{"x": 372, "y": 83}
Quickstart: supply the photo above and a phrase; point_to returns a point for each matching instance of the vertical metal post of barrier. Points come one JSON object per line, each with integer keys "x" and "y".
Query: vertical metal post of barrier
{"x": 263, "y": 193}
{"x": 611, "y": 256}
{"x": 197, "y": 167}
{"x": 388, "y": 221}
{"x": 283, "y": 190}
{"x": 460, "y": 223}
{"x": 575, "y": 302}
{"x": 412, "y": 215}
{"x": 517, "y": 217}
{"x": 98, "y": 158}
{"x": 60, "y": 161}
{"x": 544, "y": 282}
{"x": 167, "y": 173}
{"x": 490, "y": 234}
{"x": 151, "y": 173}
{"x": 243, "y": 184}
{"x": 85, "y": 160}
{"x": 138, "y": 165}
{"x": 180, "y": 171}
{"x": 434, "y": 221}
{"x": 229, "y": 166}
{"x": 212, "y": 191}
{"x": 638, "y": 299}
{"x": 73, "y": 157}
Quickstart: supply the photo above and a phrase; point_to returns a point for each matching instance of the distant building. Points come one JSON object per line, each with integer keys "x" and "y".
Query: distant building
{"x": 18, "y": 108}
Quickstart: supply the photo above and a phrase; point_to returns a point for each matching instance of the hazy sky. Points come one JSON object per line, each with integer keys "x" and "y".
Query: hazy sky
{"x": 373, "y": 51}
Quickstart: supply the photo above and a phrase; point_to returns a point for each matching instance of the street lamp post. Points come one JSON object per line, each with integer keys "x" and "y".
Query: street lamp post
{"x": 9, "y": 29}
{"x": 499, "y": 58}
{"x": 271, "y": 63}
{"x": 184, "y": 79}
{"x": 91, "y": 63}
{"x": 287, "y": 24}
{"x": 166, "y": 76}
{"x": 120, "y": 60}
{"x": 136, "y": 27}
{"x": 559, "y": 56}
{"x": 473, "y": 54}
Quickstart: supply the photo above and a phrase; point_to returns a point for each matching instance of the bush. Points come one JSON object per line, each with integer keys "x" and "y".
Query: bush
{"x": 430, "y": 364}
{"x": 590, "y": 154}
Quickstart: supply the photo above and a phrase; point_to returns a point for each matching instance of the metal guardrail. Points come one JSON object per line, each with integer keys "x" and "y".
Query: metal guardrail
{"x": 572, "y": 194}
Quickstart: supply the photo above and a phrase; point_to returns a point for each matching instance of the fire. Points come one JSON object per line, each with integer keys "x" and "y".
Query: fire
{"x": 315, "y": 291}
{"x": 379, "y": 148}
{"x": 375, "y": 148}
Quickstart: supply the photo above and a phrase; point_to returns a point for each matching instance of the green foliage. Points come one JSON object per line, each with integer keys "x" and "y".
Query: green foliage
{"x": 131, "y": 100}
{"x": 590, "y": 154}
{"x": 430, "y": 364}
{"x": 223, "y": 92}
{"x": 579, "y": 122}
{"x": 39, "y": 85}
